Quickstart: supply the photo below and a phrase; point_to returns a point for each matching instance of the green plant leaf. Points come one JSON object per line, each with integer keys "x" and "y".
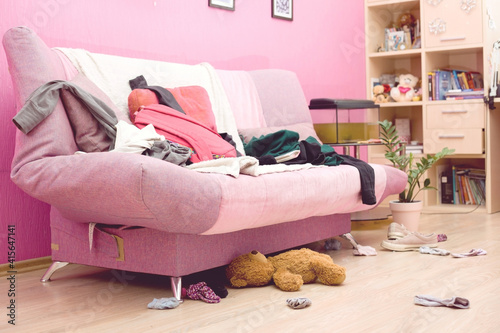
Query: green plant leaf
{"x": 405, "y": 162}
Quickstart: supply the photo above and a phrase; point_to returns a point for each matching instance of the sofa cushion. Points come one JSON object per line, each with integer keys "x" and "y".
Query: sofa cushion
{"x": 305, "y": 130}
{"x": 243, "y": 98}
{"x": 281, "y": 96}
{"x": 89, "y": 134}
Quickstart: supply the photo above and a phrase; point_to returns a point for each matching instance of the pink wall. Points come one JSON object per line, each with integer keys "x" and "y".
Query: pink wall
{"x": 324, "y": 45}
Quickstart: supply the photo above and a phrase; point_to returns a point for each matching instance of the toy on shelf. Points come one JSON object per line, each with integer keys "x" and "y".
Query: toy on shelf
{"x": 381, "y": 93}
{"x": 405, "y": 90}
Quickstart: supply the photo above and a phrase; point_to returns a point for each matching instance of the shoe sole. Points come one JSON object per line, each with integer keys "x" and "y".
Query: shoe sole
{"x": 404, "y": 247}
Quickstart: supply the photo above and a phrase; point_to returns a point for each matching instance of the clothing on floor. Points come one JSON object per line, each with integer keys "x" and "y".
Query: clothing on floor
{"x": 471, "y": 253}
{"x": 164, "y": 303}
{"x": 434, "y": 251}
{"x": 454, "y": 302}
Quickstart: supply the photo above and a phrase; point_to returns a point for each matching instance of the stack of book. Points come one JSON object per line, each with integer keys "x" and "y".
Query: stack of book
{"x": 469, "y": 185}
{"x": 451, "y": 84}
{"x": 414, "y": 149}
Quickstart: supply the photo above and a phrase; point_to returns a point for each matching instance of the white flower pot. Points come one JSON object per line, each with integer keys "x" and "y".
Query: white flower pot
{"x": 406, "y": 213}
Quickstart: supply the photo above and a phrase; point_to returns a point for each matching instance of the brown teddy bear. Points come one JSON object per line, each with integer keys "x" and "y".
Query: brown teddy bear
{"x": 380, "y": 95}
{"x": 289, "y": 270}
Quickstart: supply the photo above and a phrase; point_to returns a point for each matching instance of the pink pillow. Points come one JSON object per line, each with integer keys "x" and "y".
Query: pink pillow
{"x": 89, "y": 134}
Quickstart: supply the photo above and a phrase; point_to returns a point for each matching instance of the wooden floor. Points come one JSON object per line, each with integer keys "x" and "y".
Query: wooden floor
{"x": 377, "y": 295}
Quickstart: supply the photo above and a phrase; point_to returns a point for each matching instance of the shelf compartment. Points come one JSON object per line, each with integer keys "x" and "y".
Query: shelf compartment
{"x": 381, "y": 15}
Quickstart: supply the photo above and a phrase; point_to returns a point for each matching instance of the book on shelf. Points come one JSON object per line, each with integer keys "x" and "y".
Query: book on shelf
{"x": 453, "y": 84}
{"x": 446, "y": 187}
{"x": 464, "y": 94}
{"x": 469, "y": 186}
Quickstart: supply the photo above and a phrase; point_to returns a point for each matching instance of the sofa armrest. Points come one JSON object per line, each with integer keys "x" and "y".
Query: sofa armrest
{"x": 123, "y": 189}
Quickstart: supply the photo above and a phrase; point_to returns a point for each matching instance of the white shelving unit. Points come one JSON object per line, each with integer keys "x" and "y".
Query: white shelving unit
{"x": 454, "y": 34}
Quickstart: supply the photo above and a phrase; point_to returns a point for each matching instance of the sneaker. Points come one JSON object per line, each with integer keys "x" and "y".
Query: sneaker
{"x": 411, "y": 242}
{"x": 396, "y": 231}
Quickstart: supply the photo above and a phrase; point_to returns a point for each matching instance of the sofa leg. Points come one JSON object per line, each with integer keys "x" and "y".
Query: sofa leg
{"x": 54, "y": 267}
{"x": 176, "y": 282}
{"x": 348, "y": 236}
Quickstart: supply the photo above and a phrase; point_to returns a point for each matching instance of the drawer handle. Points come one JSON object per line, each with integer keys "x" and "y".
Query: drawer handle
{"x": 448, "y": 39}
{"x": 452, "y": 136}
{"x": 454, "y": 111}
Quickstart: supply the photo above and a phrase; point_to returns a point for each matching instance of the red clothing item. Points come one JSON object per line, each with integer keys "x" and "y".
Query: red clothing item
{"x": 185, "y": 130}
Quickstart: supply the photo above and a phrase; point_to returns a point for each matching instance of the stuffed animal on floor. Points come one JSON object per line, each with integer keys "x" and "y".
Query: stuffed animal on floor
{"x": 289, "y": 270}
{"x": 405, "y": 90}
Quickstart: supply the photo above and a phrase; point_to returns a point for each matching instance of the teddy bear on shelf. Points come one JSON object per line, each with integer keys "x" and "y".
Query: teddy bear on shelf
{"x": 288, "y": 270}
{"x": 405, "y": 91}
{"x": 380, "y": 94}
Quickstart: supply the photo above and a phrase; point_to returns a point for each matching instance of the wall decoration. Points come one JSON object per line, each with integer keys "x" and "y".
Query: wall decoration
{"x": 224, "y": 4}
{"x": 282, "y": 9}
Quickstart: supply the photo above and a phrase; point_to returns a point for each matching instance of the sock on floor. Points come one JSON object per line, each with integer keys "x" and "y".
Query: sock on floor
{"x": 436, "y": 251}
{"x": 454, "y": 302}
{"x": 471, "y": 253}
{"x": 298, "y": 303}
{"x": 164, "y": 303}
{"x": 200, "y": 291}
{"x": 364, "y": 250}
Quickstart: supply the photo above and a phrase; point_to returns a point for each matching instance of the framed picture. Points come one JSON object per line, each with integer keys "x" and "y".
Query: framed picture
{"x": 224, "y": 4}
{"x": 282, "y": 9}
{"x": 396, "y": 41}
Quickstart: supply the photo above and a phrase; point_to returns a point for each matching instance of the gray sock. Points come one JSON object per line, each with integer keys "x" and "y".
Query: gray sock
{"x": 435, "y": 251}
{"x": 454, "y": 302}
{"x": 164, "y": 303}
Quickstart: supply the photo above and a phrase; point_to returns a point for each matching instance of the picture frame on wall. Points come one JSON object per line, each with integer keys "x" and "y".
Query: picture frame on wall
{"x": 282, "y": 9}
{"x": 224, "y": 4}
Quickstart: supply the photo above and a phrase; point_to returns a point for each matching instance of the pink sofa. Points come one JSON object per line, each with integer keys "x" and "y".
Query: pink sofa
{"x": 137, "y": 213}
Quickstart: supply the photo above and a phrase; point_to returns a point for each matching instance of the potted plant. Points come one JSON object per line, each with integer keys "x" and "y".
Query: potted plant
{"x": 414, "y": 168}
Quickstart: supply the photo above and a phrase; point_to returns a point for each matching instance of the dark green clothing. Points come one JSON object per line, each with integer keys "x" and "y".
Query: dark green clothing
{"x": 285, "y": 141}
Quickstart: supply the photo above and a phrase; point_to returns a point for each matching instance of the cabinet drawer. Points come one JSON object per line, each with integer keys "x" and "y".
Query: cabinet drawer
{"x": 455, "y": 116}
{"x": 464, "y": 141}
{"x": 452, "y": 23}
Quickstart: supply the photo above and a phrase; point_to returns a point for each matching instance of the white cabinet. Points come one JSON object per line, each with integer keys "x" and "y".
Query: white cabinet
{"x": 452, "y": 22}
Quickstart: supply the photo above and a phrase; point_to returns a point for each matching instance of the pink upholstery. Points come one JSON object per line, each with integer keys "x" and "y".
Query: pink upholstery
{"x": 243, "y": 97}
{"x": 176, "y": 254}
{"x": 191, "y": 221}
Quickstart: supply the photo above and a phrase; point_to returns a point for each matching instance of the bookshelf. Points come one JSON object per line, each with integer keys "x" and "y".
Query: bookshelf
{"x": 452, "y": 35}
